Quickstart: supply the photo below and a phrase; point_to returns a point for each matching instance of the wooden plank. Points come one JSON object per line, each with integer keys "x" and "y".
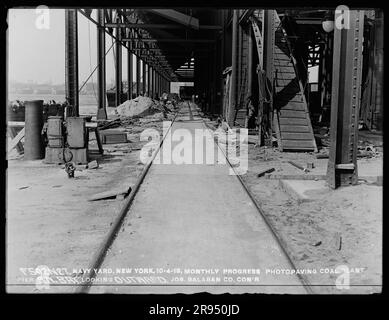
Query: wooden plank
{"x": 282, "y": 58}
{"x": 285, "y": 69}
{"x": 263, "y": 172}
{"x": 110, "y": 193}
{"x": 296, "y": 135}
{"x": 16, "y": 123}
{"x": 345, "y": 166}
{"x": 277, "y": 129}
{"x": 301, "y": 176}
{"x": 16, "y": 140}
{"x": 298, "y": 144}
{"x": 293, "y": 121}
{"x": 285, "y": 75}
{"x": 91, "y": 124}
{"x": 296, "y": 99}
{"x": 291, "y": 106}
{"x": 282, "y": 63}
{"x": 13, "y": 131}
{"x": 292, "y": 114}
{"x": 283, "y": 82}
{"x": 294, "y": 128}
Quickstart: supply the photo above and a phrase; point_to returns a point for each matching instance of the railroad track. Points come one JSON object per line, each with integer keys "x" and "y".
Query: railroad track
{"x": 281, "y": 242}
{"x": 98, "y": 259}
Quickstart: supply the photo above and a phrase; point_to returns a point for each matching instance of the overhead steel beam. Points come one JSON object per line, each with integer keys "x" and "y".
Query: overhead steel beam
{"x": 158, "y": 26}
{"x": 101, "y": 85}
{"x": 175, "y": 40}
{"x": 71, "y": 59}
{"x": 177, "y": 16}
{"x": 108, "y": 17}
{"x": 342, "y": 167}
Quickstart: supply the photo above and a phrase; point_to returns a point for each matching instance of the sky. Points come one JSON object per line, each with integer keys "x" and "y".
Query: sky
{"x": 38, "y": 54}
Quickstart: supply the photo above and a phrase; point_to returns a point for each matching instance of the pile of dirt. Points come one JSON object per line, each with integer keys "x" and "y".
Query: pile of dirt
{"x": 140, "y": 106}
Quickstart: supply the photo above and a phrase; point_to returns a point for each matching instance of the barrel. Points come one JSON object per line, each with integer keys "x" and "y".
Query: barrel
{"x": 33, "y": 141}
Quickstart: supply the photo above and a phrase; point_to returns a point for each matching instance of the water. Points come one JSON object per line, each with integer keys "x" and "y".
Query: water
{"x": 88, "y": 103}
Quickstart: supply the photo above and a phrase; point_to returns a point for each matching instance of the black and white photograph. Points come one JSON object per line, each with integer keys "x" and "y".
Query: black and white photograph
{"x": 184, "y": 150}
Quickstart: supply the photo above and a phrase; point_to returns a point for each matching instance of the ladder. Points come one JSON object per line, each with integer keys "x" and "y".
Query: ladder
{"x": 294, "y": 123}
{"x": 291, "y": 121}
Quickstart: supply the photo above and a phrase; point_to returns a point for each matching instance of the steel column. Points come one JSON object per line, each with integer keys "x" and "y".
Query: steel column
{"x": 129, "y": 74}
{"x": 144, "y": 77}
{"x": 158, "y": 85}
{"x": 378, "y": 93}
{"x": 148, "y": 80}
{"x": 118, "y": 64}
{"x": 250, "y": 64}
{"x": 154, "y": 82}
{"x": 345, "y": 102}
{"x": 234, "y": 72}
{"x": 71, "y": 59}
{"x": 101, "y": 85}
{"x": 137, "y": 76}
{"x": 268, "y": 63}
{"x": 152, "y": 88}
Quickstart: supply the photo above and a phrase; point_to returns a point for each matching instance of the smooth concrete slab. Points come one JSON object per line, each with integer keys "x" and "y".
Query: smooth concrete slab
{"x": 305, "y": 190}
{"x": 193, "y": 228}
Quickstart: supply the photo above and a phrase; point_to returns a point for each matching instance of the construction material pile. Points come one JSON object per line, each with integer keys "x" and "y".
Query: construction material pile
{"x": 138, "y": 107}
{"x": 132, "y": 110}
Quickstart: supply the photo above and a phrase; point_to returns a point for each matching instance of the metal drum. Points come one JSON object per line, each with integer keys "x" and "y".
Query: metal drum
{"x": 33, "y": 145}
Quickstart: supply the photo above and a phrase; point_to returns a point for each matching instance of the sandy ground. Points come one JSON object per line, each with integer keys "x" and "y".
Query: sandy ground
{"x": 49, "y": 218}
{"x": 50, "y": 222}
{"x": 312, "y": 230}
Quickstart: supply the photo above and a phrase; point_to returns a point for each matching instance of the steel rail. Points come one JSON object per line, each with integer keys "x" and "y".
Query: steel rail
{"x": 99, "y": 256}
{"x": 281, "y": 242}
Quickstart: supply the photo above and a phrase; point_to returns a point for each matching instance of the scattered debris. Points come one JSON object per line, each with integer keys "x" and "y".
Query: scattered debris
{"x": 120, "y": 196}
{"x": 263, "y": 172}
{"x": 315, "y": 177}
{"x": 310, "y": 165}
{"x": 252, "y": 140}
{"x": 317, "y": 243}
{"x": 298, "y": 166}
{"x": 113, "y": 136}
{"x": 114, "y": 193}
{"x": 93, "y": 165}
{"x": 70, "y": 168}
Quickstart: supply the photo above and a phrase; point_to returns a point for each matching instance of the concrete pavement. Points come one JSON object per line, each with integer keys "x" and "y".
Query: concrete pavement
{"x": 192, "y": 228}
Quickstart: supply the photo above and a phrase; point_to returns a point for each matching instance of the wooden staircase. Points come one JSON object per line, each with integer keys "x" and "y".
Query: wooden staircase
{"x": 292, "y": 115}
